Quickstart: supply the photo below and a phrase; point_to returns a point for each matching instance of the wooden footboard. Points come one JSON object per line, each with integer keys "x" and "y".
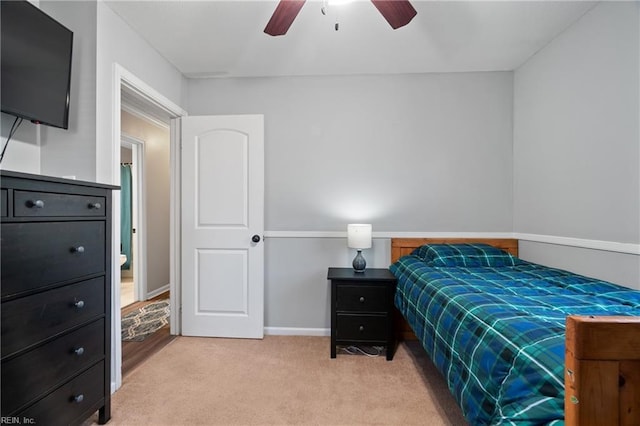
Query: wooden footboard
{"x": 602, "y": 374}
{"x": 602, "y": 358}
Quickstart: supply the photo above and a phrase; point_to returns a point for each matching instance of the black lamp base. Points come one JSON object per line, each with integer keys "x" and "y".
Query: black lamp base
{"x": 359, "y": 264}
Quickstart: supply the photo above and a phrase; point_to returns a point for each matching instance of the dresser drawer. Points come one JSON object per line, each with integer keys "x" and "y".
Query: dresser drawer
{"x": 4, "y": 199}
{"x": 362, "y": 298}
{"x": 28, "y": 320}
{"x": 40, "y": 254}
{"x": 72, "y": 402}
{"x": 51, "y": 204}
{"x": 362, "y": 327}
{"x": 34, "y": 373}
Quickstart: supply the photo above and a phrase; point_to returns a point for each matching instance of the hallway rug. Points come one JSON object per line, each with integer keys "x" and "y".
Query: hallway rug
{"x": 143, "y": 322}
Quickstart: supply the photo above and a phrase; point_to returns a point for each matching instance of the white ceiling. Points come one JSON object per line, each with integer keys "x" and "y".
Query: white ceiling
{"x": 226, "y": 39}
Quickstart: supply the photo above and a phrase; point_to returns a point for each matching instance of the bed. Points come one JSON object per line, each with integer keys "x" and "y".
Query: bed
{"x": 519, "y": 343}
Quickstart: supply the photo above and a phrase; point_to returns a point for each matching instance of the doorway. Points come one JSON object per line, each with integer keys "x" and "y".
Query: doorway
{"x": 145, "y": 227}
{"x": 145, "y": 209}
{"x": 129, "y": 89}
{"x": 133, "y": 286}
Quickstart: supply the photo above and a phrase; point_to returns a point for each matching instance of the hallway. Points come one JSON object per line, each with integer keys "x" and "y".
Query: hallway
{"x": 135, "y": 353}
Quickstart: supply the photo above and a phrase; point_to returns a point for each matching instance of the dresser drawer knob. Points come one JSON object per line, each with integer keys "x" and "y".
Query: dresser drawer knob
{"x": 38, "y": 204}
{"x": 79, "y": 249}
{"x": 96, "y": 206}
{"x": 361, "y": 328}
{"x": 79, "y": 304}
{"x": 78, "y": 398}
{"x": 361, "y": 299}
{"x": 79, "y": 351}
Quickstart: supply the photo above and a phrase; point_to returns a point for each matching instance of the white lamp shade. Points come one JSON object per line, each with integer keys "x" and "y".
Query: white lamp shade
{"x": 359, "y": 236}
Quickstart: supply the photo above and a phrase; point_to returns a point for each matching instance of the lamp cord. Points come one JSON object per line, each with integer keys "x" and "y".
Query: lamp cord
{"x": 372, "y": 351}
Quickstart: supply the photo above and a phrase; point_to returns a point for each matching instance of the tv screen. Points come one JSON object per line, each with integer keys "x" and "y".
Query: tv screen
{"x": 35, "y": 58}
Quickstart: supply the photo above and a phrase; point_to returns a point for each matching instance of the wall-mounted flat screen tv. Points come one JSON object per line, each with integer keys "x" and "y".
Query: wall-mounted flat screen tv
{"x": 35, "y": 58}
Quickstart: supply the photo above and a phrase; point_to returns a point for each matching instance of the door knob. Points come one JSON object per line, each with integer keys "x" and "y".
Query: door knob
{"x": 255, "y": 238}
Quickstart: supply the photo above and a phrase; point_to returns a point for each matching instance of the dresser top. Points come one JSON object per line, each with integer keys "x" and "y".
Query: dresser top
{"x": 41, "y": 178}
{"x": 369, "y": 274}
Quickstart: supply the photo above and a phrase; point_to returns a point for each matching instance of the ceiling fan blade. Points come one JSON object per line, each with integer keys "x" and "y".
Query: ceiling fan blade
{"x": 398, "y": 13}
{"x": 283, "y": 17}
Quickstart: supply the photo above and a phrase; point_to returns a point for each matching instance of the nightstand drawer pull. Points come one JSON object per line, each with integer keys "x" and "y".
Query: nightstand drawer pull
{"x": 96, "y": 206}
{"x": 79, "y": 304}
{"x": 79, "y": 351}
{"x": 361, "y": 328}
{"x": 361, "y": 299}
{"x": 78, "y": 398}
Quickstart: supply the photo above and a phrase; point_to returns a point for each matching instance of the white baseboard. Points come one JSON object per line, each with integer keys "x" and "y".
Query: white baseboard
{"x": 295, "y": 331}
{"x": 156, "y": 292}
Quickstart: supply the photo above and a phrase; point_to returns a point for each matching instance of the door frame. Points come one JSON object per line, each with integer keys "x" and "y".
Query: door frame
{"x": 122, "y": 78}
{"x": 139, "y": 243}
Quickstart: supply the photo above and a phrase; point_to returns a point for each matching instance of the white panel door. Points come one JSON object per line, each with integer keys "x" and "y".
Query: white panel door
{"x": 222, "y": 226}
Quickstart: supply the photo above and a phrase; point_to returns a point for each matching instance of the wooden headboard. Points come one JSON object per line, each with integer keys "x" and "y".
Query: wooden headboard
{"x": 403, "y": 246}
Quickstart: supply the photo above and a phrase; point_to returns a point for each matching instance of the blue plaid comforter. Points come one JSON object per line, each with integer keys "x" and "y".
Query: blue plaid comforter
{"x": 497, "y": 334}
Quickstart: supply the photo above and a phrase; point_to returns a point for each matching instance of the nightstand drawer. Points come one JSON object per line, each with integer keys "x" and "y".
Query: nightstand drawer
{"x": 51, "y": 204}
{"x": 362, "y": 298}
{"x": 362, "y": 327}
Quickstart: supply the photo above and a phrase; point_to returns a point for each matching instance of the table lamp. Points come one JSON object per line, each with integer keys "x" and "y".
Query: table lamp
{"x": 359, "y": 238}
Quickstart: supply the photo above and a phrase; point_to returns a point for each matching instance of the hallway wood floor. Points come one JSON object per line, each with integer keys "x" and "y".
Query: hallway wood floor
{"x": 135, "y": 353}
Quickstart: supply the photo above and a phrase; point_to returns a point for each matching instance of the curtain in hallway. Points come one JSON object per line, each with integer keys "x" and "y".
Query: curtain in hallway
{"x": 125, "y": 214}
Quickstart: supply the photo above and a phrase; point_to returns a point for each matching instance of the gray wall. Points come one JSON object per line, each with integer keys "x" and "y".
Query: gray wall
{"x": 577, "y": 143}
{"x": 23, "y": 152}
{"x": 297, "y": 293}
{"x": 59, "y": 152}
{"x": 72, "y": 152}
{"x": 101, "y": 40}
{"x": 117, "y": 43}
{"x": 620, "y": 268}
{"x": 424, "y": 152}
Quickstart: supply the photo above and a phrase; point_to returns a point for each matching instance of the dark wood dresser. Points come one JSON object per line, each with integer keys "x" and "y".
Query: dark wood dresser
{"x": 55, "y": 281}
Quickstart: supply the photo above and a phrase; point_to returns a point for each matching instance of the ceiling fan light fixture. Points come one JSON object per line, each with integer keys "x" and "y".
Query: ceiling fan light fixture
{"x": 339, "y": 2}
{"x": 397, "y": 13}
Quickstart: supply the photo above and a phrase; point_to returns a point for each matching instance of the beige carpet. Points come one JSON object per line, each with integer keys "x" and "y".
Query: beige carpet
{"x": 281, "y": 380}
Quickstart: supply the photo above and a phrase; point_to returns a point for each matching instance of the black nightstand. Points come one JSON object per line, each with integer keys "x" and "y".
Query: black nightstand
{"x": 362, "y": 308}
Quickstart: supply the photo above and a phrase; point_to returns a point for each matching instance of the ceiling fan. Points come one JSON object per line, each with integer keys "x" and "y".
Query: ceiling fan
{"x": 398, "y": 13}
